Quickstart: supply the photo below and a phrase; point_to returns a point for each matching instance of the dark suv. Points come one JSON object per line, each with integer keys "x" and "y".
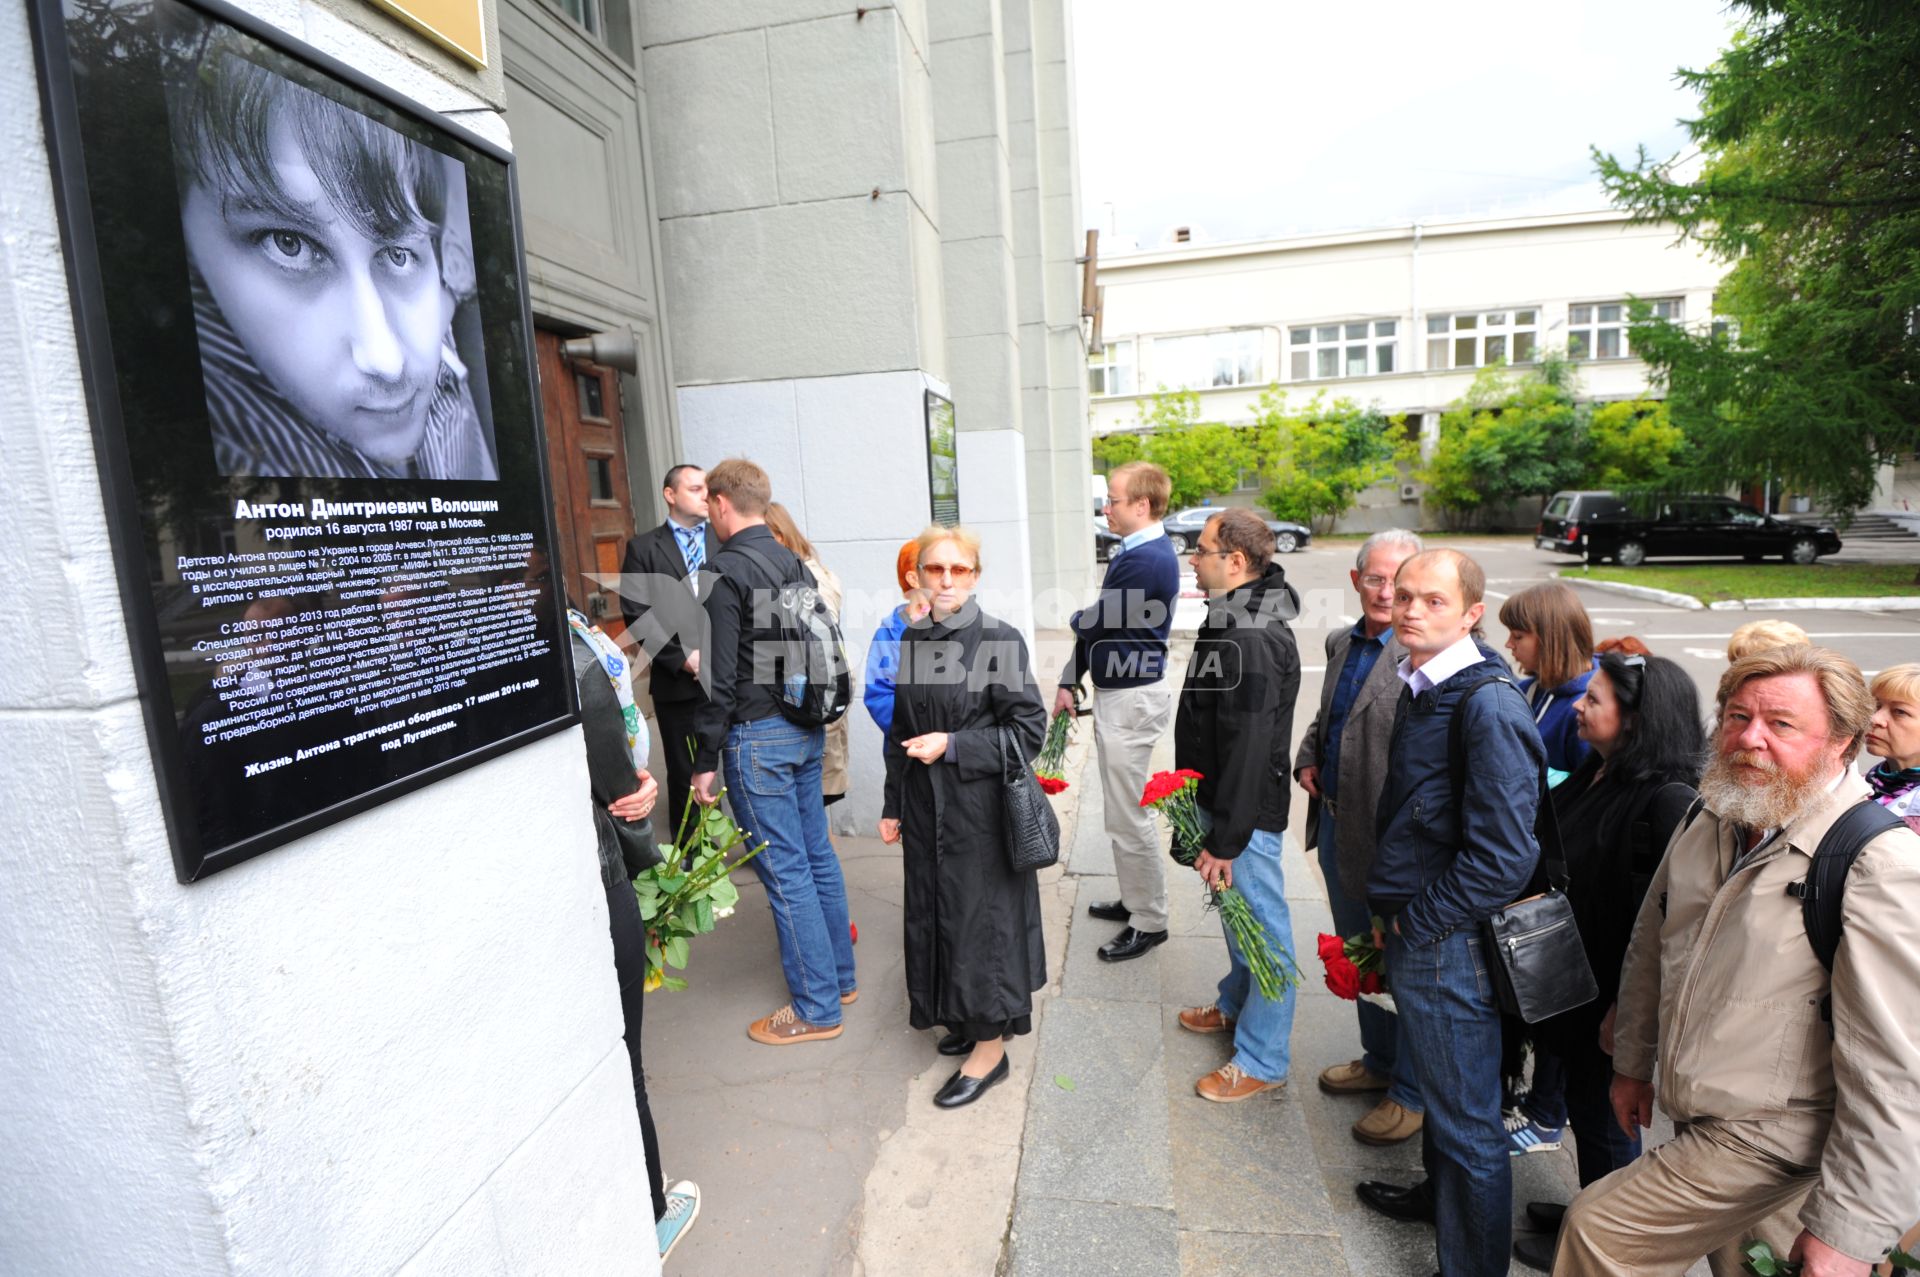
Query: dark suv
{"x": 1605, "y": 526}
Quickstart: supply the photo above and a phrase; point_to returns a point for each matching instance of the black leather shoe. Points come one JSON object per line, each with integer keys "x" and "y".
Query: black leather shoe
{"x": 1535, "y": 1250}
{"x": 962, "y": 1090}
{"x": 1546, "y": 1217}
{"x": 1130, "y": 944}
{"x": 1410, "y": 1205}
{"x": 1108, "y": 910}
{"x": 954, "y": 1044}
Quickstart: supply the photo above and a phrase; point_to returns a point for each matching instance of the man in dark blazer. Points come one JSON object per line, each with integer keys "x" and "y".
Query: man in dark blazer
{"x": 661, "y": 583}
{"x": 1342, "y": 766}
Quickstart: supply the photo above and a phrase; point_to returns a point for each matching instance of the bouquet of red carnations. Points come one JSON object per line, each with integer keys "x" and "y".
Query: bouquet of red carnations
{"x": 1049, "y": 768}
{"x": 1175, "y": 796}
{"x": 1355, "y": 965}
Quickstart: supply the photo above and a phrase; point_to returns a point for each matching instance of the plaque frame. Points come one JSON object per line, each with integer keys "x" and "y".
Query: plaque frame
{"x": 194, "y": 857}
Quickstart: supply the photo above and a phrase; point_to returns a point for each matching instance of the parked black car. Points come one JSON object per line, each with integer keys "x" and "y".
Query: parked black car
{"x": 1105, "y": 541}
{"x": 1605, "y": 526}
{"x": 1184, "y": 529}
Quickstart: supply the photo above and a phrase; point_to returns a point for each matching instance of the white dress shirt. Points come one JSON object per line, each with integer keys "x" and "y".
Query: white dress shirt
{"x": 1440, "y": 667}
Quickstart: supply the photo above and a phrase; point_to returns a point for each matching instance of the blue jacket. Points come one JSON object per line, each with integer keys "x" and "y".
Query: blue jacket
{"x": 1437, "y": 868}
{"x": 1122, "y": 639}
{"x": 1553, "y": 716}
{"x": 883, "y": 663}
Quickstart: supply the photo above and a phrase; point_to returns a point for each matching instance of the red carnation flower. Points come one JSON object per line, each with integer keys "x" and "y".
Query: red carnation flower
{"x": 1331, "y": 947}
{"x": 1052, "y": 784}
{"x": 1372, "y": 983}
{"x": 1343, "y": 980}
{"x": 1159, "y": 786}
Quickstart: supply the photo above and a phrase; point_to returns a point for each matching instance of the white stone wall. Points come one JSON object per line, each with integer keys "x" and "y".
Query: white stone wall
{"x": 796, "y": 201}
{"x": 392, "y": 1045}
{"x": 848, "y": 456}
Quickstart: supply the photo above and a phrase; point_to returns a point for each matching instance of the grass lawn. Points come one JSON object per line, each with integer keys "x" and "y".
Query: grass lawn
{"x": 1712, "y": 582}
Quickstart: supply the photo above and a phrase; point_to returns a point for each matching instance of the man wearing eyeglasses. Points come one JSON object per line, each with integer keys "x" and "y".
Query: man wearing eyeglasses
{"x": 1121, "y": 642}
{"x": 1343, "y": 766}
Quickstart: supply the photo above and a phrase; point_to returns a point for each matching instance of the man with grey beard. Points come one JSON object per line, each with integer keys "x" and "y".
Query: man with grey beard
{"x": 1795, "y": 1091}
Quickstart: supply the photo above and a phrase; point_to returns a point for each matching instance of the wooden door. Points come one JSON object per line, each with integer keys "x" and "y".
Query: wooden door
{"x": 587, "y": 463}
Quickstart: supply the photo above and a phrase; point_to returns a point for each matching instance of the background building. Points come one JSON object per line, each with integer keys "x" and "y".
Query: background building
{"x": 1400, "y": 318}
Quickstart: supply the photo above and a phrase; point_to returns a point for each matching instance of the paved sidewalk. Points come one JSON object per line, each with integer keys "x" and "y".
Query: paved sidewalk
{"x": 1095, "y": 1158}
{"x": 1130, "y": 1172}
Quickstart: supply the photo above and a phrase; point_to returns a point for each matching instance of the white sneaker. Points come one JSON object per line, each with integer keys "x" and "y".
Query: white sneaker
{"x": 683, "y": 1207}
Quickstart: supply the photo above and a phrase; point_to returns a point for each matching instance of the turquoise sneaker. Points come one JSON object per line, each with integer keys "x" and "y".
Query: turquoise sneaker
{"x": 683, "y": 1207}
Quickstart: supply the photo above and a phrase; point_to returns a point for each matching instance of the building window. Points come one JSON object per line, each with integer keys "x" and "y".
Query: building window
{"x": 1481, "y": 338}
{"x": 1111, "y": 371}
{"x": 1362, "y": 348}
{"x": 584, "y": 12}
{"x": 1599, "y": 331}
{"x": 1208, "y": 360}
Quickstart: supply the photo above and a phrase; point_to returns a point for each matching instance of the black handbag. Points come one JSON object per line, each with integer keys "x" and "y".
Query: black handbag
{"x": 1535, "y": 956}
{"x": 1033, "y": 831}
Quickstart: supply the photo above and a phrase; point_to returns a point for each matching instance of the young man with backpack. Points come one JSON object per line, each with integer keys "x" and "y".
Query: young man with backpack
{"x": 772, "y": 685}
{"x": 1768, "y": 1000}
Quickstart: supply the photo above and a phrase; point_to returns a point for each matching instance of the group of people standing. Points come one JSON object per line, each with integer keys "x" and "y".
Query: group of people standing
{"x": 1688, "y": 845}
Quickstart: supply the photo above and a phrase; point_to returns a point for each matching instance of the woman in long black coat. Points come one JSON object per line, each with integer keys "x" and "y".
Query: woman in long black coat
{"x": 974, "y": 948}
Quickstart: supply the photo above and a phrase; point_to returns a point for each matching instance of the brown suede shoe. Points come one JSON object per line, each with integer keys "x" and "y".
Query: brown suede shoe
{"x": 1206, "y": 1019}
{"x": 850, "y": 997}
{"x": 784, "y": 1028}
{"x": 1228, "y": 1085}
{"x": 1388, "y": 1123}
{"x": 1351, "y": 1078}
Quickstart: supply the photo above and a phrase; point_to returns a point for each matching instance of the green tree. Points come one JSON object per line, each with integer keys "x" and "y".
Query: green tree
{"x": 1117, "y": 449}
{"x": 1511, "y": 435}
{"x": 1632, "y": 444}
{"x": 1810, "y": 130}
{"x": 1315, "y": 463}
{"x": 1200, "y": 457}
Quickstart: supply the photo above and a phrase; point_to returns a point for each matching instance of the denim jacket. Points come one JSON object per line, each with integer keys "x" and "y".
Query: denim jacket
{"x": 1438, "y": 868}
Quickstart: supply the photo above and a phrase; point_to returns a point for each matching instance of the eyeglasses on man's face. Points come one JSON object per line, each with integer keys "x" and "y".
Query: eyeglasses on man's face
{"x": 1373, "y": 584}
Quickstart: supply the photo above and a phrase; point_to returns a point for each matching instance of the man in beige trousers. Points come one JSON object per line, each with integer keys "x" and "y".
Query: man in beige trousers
{"x": 1121, "y": 642}
{"x": 1796, "y": 1092}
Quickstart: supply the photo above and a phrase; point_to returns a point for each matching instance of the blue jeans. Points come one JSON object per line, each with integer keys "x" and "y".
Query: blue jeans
{"x": 1262, "y": 1025}
{"x": 1379, "y": 1028}
{"x": 1452, "y": 1026}
{"x": 773, "y": 782}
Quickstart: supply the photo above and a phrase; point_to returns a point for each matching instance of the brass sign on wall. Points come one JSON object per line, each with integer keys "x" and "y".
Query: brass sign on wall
{"x": 459, "y": 26}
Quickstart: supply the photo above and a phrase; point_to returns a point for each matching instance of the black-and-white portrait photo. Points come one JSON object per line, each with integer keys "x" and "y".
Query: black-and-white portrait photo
{"x": 333, "y": 281}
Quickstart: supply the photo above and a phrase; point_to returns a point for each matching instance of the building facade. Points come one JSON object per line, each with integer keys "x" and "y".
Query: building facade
{"x": 395, "y": 1045}
{"x": 1399, "y": 318}
{"x": 813, "y": 217}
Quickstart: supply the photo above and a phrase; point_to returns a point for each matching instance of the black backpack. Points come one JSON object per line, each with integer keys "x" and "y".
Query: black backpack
{"x": 807, "y": 668}
{"x": 1825, "y": 885}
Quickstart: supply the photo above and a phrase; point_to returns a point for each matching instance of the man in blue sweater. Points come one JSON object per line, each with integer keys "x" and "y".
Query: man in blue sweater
{"x": 1121, "y": 641}
{"x": 1439, "y": 870}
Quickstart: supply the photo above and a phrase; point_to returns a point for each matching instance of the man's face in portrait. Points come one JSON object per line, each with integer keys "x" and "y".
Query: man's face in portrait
{"x": 348, "y": 326}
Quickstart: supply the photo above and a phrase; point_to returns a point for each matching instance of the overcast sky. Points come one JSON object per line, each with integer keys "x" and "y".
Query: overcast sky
{"x": 1247, "y": 118}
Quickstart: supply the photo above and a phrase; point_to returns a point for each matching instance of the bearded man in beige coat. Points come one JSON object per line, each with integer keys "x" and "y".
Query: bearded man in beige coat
{"x": 1793, "y": 1128}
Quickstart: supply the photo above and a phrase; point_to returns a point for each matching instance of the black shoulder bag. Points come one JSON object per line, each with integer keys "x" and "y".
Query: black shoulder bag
{"x": 1535, "y": 957}
{"x": 1033, "y": 831}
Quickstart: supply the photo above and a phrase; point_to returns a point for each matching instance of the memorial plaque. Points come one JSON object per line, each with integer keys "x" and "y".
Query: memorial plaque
{"x": 302, "y": 311}
{"x": 943, "y": 460}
